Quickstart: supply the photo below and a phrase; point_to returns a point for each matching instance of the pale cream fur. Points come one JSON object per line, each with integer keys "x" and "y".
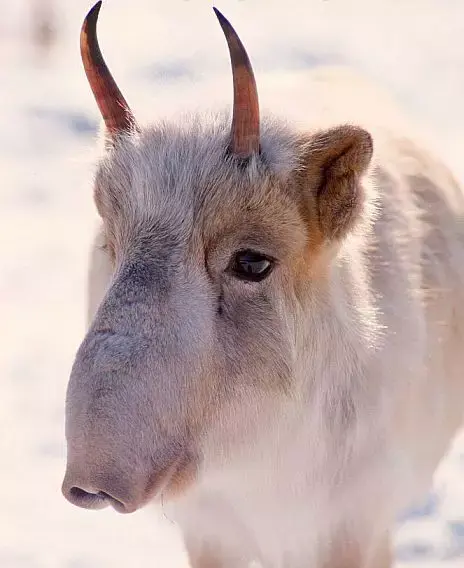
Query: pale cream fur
{"x": 317, "y": 480}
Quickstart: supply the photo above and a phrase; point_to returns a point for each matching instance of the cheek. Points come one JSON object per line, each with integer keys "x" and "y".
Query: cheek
{"x": 243, "y": 419}
{"x": 255, "y": 339}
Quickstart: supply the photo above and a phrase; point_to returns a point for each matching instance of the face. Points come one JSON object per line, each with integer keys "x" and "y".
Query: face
{"x": 216, "y": 237}
{"x": 198, "y": 322}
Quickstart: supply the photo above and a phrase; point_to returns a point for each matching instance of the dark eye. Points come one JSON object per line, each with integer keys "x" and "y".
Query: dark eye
{"x": 250, "y": 265}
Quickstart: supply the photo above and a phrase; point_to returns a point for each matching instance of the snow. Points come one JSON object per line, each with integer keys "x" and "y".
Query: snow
{"x": 164, "y": 53}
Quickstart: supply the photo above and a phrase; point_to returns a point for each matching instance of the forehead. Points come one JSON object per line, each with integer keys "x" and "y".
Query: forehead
{"x": 179, "y": 176}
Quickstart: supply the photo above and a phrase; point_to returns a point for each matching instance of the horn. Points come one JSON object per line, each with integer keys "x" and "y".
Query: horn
{"x": 113, "y": 106}
{"x": 245, "y": 118}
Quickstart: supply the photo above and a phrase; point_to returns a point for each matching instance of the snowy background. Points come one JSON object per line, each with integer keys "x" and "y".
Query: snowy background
{"x": 167, "y": 55}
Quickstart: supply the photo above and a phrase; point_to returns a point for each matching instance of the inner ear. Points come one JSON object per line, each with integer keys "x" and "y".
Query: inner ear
{"x": 334, "y": 163}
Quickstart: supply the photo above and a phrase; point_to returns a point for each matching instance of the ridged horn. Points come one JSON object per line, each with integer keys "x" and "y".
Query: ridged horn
{"x": 245, "y": 118}
{"x": 113, "y": 106}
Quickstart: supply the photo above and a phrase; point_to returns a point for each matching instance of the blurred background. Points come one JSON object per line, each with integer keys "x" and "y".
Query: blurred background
{"x": 167, "y": 56}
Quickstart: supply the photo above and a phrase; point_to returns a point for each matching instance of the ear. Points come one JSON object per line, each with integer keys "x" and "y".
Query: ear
{"x": 334, "y": 163}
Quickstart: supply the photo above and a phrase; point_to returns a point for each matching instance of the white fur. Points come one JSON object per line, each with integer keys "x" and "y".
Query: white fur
{"x": 360, "y": 440}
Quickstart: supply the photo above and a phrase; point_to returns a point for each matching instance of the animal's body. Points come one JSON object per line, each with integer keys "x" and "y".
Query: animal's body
{"x": 287, "y": 419}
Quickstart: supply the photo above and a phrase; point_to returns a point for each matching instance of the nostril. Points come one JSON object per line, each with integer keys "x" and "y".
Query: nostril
{"x": 116, "y": 504}
{"x": 78, "y": 493}
{"x": 87, "y": 499}
{"x": 96, "y": 500}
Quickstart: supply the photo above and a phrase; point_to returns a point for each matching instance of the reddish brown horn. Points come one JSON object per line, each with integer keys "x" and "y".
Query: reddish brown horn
{"x": 113, "y": 106}
{"x": 245, "y": 120}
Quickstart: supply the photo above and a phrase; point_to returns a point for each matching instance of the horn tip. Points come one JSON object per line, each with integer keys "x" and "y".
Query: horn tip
{"x": 93, "y": 13}
{"x": 220, "y": 16}
{"x": 89, "y": 25}
{"x": 90, "y": 21}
